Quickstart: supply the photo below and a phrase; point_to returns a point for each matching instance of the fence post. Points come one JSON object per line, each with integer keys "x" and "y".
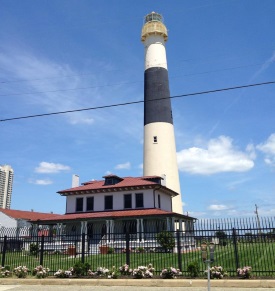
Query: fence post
{"x": 4, "y": 251}
{"x": 127, "y": 248}
{"x": 235, "y": 248}
{"x": 42, "y": 250}
{"x": 179, "y": 251}
{"x": 82, "y": 248}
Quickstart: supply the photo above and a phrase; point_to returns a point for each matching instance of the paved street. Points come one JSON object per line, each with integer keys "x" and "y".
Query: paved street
{"x": 119, "y": 288}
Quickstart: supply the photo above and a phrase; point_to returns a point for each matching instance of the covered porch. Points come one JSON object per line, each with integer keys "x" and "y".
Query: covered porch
{"x": 114, "y": 231}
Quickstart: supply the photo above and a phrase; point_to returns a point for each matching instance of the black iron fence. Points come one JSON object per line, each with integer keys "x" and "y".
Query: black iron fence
{"x": 238, "y": 243}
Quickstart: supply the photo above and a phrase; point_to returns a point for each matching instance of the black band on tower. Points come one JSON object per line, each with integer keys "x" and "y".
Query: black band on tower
{"x": 156, "y": 87}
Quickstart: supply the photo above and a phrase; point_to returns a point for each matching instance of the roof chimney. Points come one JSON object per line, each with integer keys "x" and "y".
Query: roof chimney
{"x": 163, "y": 181}
{"x": 75, "y": 181}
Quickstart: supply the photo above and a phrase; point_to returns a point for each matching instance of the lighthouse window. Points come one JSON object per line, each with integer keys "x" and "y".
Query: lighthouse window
{"x": 155, "y": 139}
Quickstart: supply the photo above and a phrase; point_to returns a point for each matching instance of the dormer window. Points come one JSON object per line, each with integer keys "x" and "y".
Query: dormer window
{"x": 112, "y": 180}
{"x": 154, "y": 179}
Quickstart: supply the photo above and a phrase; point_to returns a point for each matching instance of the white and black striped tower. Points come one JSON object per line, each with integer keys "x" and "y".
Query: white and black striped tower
{"x": 159, "y": 155}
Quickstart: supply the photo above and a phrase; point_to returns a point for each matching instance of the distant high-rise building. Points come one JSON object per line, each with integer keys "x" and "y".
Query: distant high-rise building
{"x": 6, "y": 179}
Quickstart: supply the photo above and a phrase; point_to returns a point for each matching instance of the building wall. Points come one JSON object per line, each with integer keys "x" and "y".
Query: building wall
{"x": 6, "y": 221}
{"x": 118, "y": 200}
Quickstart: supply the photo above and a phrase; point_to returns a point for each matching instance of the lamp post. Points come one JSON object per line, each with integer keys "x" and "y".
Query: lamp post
{"x": 209, "y": 260}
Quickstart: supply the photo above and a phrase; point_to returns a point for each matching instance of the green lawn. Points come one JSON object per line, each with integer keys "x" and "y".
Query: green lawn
{"x": 260, "y": 256}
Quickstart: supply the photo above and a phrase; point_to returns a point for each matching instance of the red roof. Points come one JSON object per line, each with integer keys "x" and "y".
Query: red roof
{"x": 125, "y": 182}
{"x": 113, "y": 214}
{"x": 27, "y": 215}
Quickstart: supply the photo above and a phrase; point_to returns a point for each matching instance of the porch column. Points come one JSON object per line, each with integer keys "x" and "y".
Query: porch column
{"x": 172, "y": 223}
{"x": 180, "y": 225}
{"x": 84, "y": 230}
{"x": 142, "y": 230}
{"x": 168, "y": 225}
{"x": 84, "y": 227}
{"x": 138, "y": 230}
{"x": 112, "y": 229}
{"x": 107, "y": 230}
{"x": 180, "y": 231}
{"x": 59, "y": 227}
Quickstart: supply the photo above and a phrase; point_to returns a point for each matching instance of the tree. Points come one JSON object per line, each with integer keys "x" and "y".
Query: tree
{"x": 222, "y": 236}
{"x": 166, "y": 240}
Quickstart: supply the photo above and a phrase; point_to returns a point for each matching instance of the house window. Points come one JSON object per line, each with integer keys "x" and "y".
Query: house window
{"x": 90, "y": 203}
{"x": 155, "y": 139}
{"x": 159, "y": 204}
{"x": 139, "y": 200}
{"x": 128, "y": 201}
{"x": 79, "y": 204}
{"x": 108, "y": 202}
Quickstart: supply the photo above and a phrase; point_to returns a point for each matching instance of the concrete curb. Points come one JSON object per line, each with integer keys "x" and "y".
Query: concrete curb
{"x": 143, "y": 282}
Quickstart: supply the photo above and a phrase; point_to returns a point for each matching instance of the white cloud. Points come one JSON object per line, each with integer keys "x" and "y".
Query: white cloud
{"x": 196, "y": 213}
{"x": 45, "y": 167}
{"x": 79, "y": 120}
{"x": 219, "y": 156}
{"x": 268, "y": 148}
{"x": 218, "y": 207}
{"x": 42, "y": 182}
{"x": 125, "y": 166}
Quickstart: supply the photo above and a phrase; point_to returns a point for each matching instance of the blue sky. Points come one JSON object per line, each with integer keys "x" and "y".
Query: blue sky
{"x": 65, "y": 55}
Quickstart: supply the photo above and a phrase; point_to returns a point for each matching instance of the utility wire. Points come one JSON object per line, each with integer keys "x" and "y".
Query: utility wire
{"x": 124, "y": 83}
{"x": 140, "y": 101}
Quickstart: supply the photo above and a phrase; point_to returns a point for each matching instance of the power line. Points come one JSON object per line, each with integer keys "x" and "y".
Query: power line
{"x": 140, "y": 101}
{"x": 123, "y": 83}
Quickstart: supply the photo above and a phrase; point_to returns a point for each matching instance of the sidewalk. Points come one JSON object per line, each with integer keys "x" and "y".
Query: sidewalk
{"x": 157, "y": 283}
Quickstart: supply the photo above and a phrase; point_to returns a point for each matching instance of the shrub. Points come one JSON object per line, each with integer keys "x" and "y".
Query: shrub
{"x": 40, "y": 272}
{"x": 193, "y": 269}
{"x": 34, "y": 248}
{"x": 5, "y": 272}
{"x": 63, "y": 274}
{"x": 245, "y": 272}
{"x": 170, "y": 273}
{"x": 21, "y": 271}
{"x": 79, "y": 269}
{"x": 125, "y": 270}
{"x": 113, "y": 274}
{"x": 143, "y": 272}
{"x": 166, "y": 240}
{"x": 217, "y": 272}
{"x": 102, "y": 271}
{"x": 111, "y": 250}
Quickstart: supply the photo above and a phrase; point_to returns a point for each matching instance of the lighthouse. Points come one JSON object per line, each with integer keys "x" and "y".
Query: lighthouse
{"x": 159, "y": 153}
